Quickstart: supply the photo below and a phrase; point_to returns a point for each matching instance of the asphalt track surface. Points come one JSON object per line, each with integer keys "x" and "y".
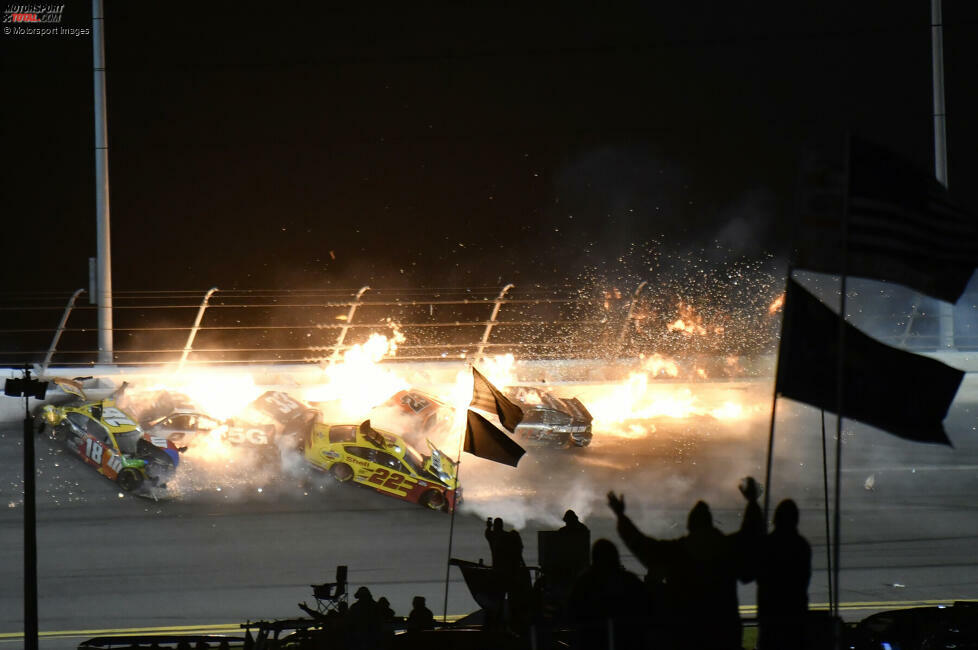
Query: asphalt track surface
{"x": 247, "y": 543}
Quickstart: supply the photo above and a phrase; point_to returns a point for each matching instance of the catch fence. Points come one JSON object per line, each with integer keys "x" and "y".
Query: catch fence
{"x": 318, "y": 326}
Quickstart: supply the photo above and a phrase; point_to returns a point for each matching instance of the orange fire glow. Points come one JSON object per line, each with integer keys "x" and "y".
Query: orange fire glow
{"x": 776, "y": 306}
{"x": 359, "y": 382}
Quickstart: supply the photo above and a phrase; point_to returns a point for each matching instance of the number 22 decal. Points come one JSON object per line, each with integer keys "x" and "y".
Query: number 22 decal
{"x": 390, "y": 480}
{"x": 415, "y": 402}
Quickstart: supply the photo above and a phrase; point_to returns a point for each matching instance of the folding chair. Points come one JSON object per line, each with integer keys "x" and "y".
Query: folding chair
{"x": 329, "y": 595}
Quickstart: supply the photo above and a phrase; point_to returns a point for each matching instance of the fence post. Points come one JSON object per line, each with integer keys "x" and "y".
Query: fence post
{"x": 346, "y": 325}
{"x": 628, "y": 316}
{"x": 193, "y": 330}
{"x": 61, "y": 328}
{"x": 492, "y": 321}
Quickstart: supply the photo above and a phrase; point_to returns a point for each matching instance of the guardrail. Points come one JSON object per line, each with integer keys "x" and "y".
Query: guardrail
{"x": 317, "y": 326}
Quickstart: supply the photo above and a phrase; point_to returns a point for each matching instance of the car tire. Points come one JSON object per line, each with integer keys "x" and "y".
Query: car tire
{"x": 433, "y": 500}
{"x": 129, "y": 480}
{"x": 341, "y": 472}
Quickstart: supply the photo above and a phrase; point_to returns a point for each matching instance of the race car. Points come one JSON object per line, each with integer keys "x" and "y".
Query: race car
{"x": 415, "y": 415}
{"x": 275, "y": 420}
{"x": 278, "y": 423}
{"x": 108, "y": 439}
{"x": 181, "y": 426}
{"x": 549, "y": 420}
{"x": 385, "y": 462}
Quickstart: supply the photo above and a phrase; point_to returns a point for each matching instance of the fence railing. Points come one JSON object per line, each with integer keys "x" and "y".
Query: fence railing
{"x": 318, "y": 326}
{"x": 239, "y": 326}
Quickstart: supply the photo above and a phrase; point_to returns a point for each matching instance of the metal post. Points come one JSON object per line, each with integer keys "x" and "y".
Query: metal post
{"x": 945, "y": 310}
{"x": 61, "y": 328}
{"x": 193, "y": 330}
{"x": 937, "y": 61}
{"x": 30, "y": 529}
{"x": 103, "y": 245}
{"x": 628, "y": 316}
{"x": 338, "y": 346}
{"x": 492, "y": 321}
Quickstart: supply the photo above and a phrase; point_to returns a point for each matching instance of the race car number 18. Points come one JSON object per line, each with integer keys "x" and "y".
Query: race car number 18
{"x": 93, "y": 450}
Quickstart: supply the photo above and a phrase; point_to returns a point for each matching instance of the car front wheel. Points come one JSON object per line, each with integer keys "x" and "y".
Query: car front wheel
{"x": 129, "y": 479}
{"x": 341, "y": 472}
{"x": 433, "y": 500}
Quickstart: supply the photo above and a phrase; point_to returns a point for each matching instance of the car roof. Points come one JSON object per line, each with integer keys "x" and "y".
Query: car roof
{"x": 86, "y": 410}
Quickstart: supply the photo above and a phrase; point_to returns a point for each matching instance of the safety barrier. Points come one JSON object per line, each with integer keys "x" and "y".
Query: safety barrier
{"x": 317, "y": 326}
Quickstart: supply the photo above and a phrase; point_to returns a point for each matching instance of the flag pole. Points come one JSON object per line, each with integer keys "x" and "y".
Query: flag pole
{"x": 840, "y": 375}
{"x": 451, "y": 525}
{"x": 828, "y": 530}
{"x": 451, "y": 530}
{"x": 774, "y": 401}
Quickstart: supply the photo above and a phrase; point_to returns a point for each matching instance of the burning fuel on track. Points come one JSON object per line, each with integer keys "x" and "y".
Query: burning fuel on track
{"x": 659, "y": 407}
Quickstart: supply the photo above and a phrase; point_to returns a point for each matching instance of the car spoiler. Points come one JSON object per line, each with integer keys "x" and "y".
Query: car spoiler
{"x": 579, "y": 409}
{"x": 71, "y": 386}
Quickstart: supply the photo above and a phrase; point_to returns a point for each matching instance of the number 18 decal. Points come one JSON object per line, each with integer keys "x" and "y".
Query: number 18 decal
{"x": 94, "y": 450}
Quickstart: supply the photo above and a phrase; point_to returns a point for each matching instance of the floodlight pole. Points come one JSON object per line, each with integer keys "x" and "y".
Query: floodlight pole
{"x": 945, "y": 310}
{"x": 103, "y": 246}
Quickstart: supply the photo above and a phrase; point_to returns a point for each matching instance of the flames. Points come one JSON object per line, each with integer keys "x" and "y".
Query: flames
{"x": 629, "y": 409}
{"x": 346, "y": 391}
{"x": 690, "y": 323}
{"x": 776, "y": 305}
{"x": 358, "y": 383}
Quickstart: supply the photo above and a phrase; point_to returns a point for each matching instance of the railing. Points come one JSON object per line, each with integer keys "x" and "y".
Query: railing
{"x": 318, "y": 326}
{"x": 238, "y": 326}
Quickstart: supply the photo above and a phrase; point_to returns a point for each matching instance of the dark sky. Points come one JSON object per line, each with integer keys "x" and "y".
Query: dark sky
{"x": 257, "y": 144}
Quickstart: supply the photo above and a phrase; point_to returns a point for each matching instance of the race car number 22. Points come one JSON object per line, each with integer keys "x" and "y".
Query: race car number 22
{"x": 390, "y": 480}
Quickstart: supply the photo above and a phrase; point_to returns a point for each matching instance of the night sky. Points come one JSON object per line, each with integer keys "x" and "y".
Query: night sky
{"x": 278, "y": 145}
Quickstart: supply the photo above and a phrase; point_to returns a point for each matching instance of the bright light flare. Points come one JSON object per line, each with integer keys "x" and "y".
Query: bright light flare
{"x": 359, "y": 382}
{"x": 220, "y": 395}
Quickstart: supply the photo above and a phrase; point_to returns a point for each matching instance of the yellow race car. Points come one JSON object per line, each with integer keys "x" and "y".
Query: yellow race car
{"x": 109, "y": 439}
{"x": 385, "y": 462}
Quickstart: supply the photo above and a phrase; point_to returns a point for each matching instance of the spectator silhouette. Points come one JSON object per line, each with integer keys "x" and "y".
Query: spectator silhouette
{"x": 701, "y": 571}
{"x": 513, "y": 578}
{"x": 608, "y": 605}
{"x": 387, "y": 617}
{"x": 420, "y": 618}
{"x": 365, "y": 621}
{"x": 783, "y": 572}
{"x": 572, "y": 525}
